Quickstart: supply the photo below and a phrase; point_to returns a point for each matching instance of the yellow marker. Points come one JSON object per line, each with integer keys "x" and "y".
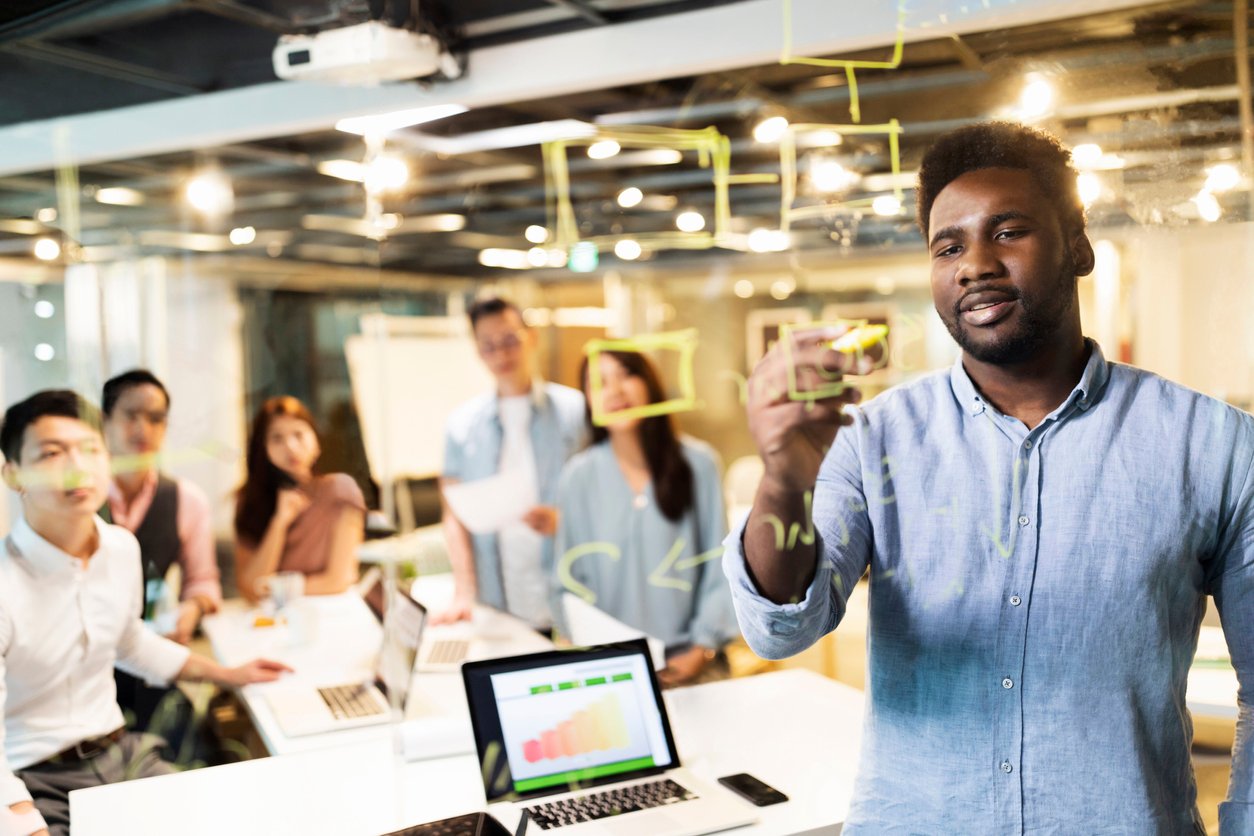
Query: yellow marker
{"x": 860, "y": 339}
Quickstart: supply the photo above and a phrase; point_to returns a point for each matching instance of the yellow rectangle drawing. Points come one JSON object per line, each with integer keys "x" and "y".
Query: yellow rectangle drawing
{"x": 684, "y": 342}
{"x": 836, "y": 384}
{"x": 788, "y": 211}
{"x": 713, "y": 151}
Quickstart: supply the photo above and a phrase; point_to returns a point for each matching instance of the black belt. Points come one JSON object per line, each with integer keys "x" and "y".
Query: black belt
{"x": 85, "y": 750}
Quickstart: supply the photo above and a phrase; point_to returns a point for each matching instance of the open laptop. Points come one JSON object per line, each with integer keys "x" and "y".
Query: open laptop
{"x": 306, "y": 709}
{"x": 579, "y": 741}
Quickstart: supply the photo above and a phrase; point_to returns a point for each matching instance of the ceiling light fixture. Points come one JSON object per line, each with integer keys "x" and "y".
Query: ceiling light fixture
{"x": 690, "y": 221}
{"x": 1089, "y": 185}
{"x": 350, "y": 170}
{"x": 242, "y": 235}
{"x": 628, "y": 249}
{"x": 383, "y": 123}
{"x": 46, "y": 215}
{"x": 1208, "y": 208}
{"x": 831, "y": 176}
{"x": 743, "y": 288}
{"x": 45, "y": 309}
{"x": 536, "y": 234}
{"x": 603, "y": 149}
{"x": 629, "y": 197}
{"x": 768, "y": 240}
{"x": 47, "y": 249}
{"x": 771, "y": 129}
{"x": 385, "y": 173}
{"x": 210, "y": 193}
{"x": 886, "y": 205}
{"x": 1037, "y": 97}
{"x": 119, "y": 196}
{"x": 1222, "y": 177}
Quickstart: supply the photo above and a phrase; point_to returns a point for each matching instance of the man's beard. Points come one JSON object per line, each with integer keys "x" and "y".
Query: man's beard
{"x": 1039, "y": 319}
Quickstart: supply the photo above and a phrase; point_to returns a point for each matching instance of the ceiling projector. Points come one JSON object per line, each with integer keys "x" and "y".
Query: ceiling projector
{"x": 367, "y": 53}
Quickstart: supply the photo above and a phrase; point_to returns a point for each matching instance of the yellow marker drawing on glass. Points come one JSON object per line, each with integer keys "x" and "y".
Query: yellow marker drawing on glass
{"x": 855, "y": 109}
{"x": 836, "y": 385}
{"x": 788, "y": 213}
{"x": 685, "y": 342}
{"x": 713, "y": 152}
{"x": 575, "y": 553}
{"x": 660, "y": 576}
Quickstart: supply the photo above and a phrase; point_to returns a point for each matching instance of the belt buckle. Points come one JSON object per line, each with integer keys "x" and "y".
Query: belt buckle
{"x": 85, "y": 750}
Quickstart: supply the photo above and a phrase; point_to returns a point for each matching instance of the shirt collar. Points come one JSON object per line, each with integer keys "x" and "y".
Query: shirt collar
{"x": 117, "y": 502}
{"x": 1085, "y": 394}
{"x": 44, "y": 556}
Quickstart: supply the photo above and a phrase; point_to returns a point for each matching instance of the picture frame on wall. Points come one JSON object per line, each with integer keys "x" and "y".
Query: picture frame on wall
{"x": 762, "y": 330}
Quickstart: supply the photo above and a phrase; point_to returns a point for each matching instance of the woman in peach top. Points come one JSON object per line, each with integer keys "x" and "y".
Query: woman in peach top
{"x": 289, "y": 518}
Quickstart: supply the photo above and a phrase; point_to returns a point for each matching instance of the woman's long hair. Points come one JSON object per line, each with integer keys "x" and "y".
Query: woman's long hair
{"x": 668, "y": 467}
{"x": 258, "y": 496}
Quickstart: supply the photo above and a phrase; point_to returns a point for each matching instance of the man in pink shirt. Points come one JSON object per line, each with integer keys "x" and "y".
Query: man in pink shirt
{"x": 169, "y": 517}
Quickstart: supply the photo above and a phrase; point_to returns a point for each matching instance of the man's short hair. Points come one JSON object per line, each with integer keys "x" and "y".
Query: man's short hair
{"x": 115, "y": 387}
{"x": 1001, "y": 145}
{"x": 59, "y": 402}
{"x": 491, "y": 306}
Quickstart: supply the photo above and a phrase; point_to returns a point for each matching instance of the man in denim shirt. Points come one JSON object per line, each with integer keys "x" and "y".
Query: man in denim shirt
{"x": 525, "y": 425}
{"x": 1041, "y": 528}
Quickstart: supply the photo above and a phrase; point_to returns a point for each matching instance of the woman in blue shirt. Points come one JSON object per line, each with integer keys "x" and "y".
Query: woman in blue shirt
{"x": 641, "y": 523}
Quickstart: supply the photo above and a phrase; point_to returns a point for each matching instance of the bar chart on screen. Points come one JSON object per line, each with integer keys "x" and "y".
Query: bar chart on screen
{"x": 575, "y": 722}
{"x": 598, "y": 727}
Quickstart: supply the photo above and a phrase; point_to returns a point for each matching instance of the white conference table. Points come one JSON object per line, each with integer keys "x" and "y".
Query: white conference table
{"x": 796, "y": 730}
{"x": 334, "y": 639}
{"x": 1212, "y": 689}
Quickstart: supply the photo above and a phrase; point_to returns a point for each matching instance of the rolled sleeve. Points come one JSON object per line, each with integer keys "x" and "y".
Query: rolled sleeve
{"x": 777, "y": 631}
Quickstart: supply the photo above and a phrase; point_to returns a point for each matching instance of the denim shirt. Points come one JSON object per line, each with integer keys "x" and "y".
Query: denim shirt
{"x": 472, "y": 450}
{"x": 1035, "y": 602}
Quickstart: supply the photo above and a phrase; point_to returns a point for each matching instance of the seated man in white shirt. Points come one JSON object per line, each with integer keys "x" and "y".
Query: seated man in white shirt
{"x": 70, "y": 609}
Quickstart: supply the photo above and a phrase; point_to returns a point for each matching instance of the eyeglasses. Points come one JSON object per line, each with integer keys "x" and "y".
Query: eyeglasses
{"x": 507, "y": 343}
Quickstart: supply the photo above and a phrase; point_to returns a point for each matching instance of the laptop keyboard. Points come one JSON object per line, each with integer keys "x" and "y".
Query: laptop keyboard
{"x": 347, "y": 701}
{"x": 609, "y": 803}
{"x": 447, "y": 652}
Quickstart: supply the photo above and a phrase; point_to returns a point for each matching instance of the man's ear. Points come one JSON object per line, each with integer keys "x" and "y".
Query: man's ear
{"x": 1082, "y": 254}
{"x": 12, "y": 476}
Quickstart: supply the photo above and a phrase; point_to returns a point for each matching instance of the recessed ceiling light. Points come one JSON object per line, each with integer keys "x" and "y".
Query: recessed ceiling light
{"x": 536, "y": 234}
{"x": 629, "y": 197}
{"x": 210, "y": 193}
{"x": 119, "y": 196}
{"x": 770, "y": 130}
{"x": 690, "y": 221}
{"x": 603, "y": 149}
{"x": 47, "y": 249}
{"x": 628, "y": 249}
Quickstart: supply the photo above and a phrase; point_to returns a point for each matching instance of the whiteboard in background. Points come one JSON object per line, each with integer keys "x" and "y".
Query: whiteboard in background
{"x": 405, "y": 387}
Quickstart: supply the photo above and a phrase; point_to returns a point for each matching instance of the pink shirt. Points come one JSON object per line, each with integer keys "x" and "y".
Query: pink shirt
{"x": 307, "y": 547}
{"x": 196, "y": 552}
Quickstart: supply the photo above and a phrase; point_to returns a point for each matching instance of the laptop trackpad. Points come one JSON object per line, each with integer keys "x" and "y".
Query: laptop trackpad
{"x": 643, "y": 824}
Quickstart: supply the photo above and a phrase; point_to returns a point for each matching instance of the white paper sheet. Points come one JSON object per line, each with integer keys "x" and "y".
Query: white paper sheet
{"x": 487, "y": 505}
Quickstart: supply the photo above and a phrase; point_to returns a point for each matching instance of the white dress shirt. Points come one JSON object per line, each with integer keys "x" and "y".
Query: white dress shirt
{"x": 522, "y": 548}
{"x": 63, "y": 626}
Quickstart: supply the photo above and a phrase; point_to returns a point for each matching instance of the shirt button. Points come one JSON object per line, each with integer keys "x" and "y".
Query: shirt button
{"x": 1015, "y": 600}
{"x": 1006, "y": 767}
{"x": 1023, "y": 520}
{"x": 1007, "y": 683}
{"x": 1027, "y": 445}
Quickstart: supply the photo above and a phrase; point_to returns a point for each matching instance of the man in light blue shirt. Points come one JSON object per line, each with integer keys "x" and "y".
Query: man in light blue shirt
{"x": 1041, "y": 528}
{"x": 525, "y": 425}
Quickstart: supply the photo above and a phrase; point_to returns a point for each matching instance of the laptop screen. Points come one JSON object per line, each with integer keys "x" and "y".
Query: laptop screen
{"x": 403, "y": 621}
{"x": 549, "y": 721}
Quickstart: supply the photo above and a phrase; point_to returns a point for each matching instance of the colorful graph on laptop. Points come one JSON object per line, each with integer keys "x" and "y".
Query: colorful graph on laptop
{"x": 598, "y": 727}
